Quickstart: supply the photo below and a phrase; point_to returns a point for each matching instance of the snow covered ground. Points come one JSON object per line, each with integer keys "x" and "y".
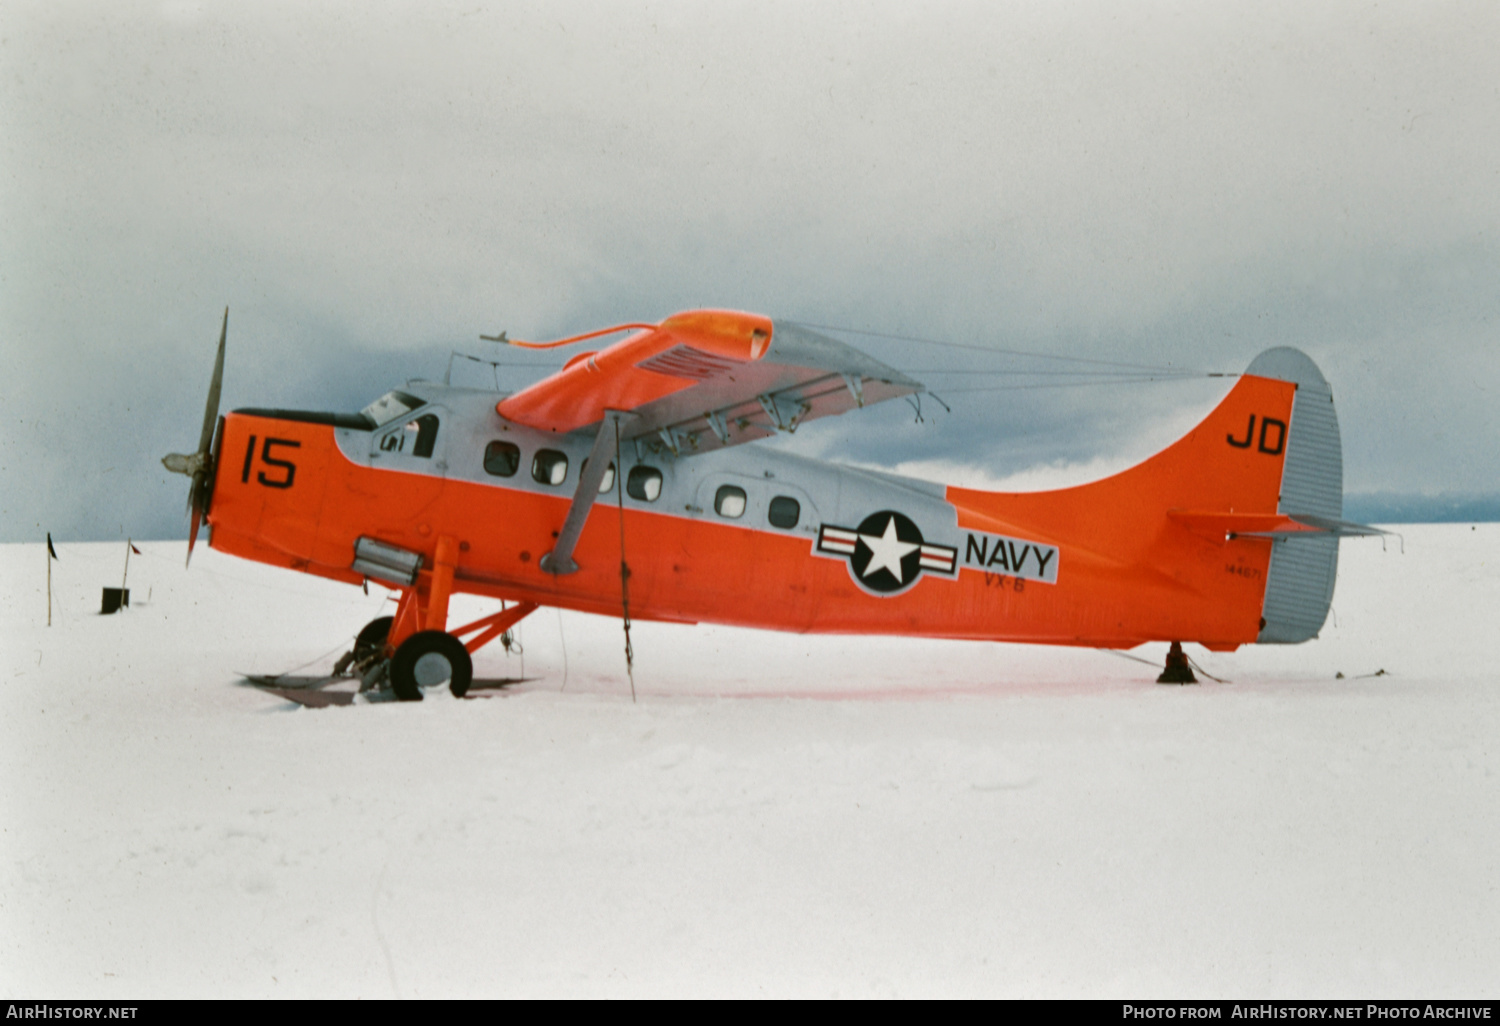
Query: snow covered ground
{"x": 776, "y": 815}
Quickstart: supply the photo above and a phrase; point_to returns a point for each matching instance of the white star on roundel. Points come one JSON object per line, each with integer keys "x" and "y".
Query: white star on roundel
{"x": 886, "y": 552}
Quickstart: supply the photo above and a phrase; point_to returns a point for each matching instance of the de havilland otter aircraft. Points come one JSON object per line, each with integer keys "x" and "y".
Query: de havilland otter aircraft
{"x": 621, "y": 484}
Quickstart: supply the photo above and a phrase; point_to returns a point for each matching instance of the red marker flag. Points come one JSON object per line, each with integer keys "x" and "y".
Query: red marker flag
{"x": 50, "y": 550}
{"x": 133, "y": 548}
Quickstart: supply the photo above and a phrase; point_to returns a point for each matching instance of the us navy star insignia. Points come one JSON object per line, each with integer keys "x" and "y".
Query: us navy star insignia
{"x": 886, "y": 553}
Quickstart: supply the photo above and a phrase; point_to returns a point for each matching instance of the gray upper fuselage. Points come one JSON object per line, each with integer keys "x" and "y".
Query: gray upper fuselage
{"x": 469, "y": 422}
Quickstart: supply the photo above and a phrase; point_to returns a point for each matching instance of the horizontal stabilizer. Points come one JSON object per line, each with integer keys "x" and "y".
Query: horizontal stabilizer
{"x": 1328, "y": 526}
{"x": 1228, "y": 526}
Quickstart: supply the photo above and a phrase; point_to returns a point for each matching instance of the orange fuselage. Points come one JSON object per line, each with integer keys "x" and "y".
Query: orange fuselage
{"x": 1112, "y": 563}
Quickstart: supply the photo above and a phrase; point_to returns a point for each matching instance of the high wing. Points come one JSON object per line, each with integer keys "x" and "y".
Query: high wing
{"x": 708, "y": 379}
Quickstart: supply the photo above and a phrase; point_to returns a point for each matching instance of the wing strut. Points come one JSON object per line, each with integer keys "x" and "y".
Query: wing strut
{"x": 606, "y": 444}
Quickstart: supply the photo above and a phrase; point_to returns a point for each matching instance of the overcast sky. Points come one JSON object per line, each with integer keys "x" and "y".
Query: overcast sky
{"x": 370, "y": 186}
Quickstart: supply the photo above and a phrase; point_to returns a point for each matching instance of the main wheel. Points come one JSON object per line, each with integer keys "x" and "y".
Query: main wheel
{"x": 371, "y": 638}
{"x": 428, "y": 658}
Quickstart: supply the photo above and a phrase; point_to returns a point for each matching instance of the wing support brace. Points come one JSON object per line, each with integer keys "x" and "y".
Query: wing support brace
{"x": 491, "y": 627}
{"x": 784, "y": 419}
{"x": 560, "y": 559}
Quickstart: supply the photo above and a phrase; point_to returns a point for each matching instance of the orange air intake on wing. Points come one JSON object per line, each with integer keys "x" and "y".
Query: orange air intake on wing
{"x": 684, "y": 349}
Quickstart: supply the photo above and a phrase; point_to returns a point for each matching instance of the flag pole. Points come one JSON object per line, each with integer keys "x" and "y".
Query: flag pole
{"x": 49, "y": 578}
{"x": 127, "y": 565}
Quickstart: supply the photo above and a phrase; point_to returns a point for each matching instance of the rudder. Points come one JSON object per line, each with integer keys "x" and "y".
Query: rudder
{"x": 1299, "y": 583}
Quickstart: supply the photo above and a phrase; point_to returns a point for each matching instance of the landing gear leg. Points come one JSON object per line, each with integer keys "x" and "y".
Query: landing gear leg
{"x": 1177, "y": 670}
{"x": 414, "y": 649}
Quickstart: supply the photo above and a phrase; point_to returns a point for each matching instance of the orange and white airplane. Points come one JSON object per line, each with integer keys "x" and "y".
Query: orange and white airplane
{"x": 619, "y": 484}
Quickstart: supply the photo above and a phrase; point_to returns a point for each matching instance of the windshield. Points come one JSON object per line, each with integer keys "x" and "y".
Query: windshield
{"x": 390, "y": 406}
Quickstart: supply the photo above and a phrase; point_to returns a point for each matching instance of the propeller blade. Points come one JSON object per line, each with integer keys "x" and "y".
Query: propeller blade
{"x": 193, "y": 530}
{"x": 211, "y": 410}
{"x": 200, "y": 464}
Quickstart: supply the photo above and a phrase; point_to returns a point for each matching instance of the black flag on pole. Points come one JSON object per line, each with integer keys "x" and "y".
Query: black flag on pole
{"x": 50, "y": 550}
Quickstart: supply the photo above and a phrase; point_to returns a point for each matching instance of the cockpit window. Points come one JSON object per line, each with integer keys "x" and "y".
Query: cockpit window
{"x": 426, "y": 427}
{"x": 390, "y": 406}
{"x": 417, "y": 438}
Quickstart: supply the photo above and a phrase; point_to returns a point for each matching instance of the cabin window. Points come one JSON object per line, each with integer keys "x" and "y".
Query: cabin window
{"x": 502, "y": 459}
{"x": 644, "y": 483}
{"x": 784, "y": 513}
{"x": 549, "y": 467}
{"x": 606, "y": 482}
{"x": 729, "y": 501}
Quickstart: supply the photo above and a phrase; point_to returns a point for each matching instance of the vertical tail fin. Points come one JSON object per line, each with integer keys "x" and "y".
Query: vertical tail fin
{"x": 1228, "y": 536}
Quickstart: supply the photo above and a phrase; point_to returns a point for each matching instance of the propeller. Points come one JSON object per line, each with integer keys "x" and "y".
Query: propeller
{"x": 199, "y": 465}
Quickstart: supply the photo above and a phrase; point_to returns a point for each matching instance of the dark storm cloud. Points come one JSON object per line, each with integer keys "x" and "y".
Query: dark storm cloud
{"x": 368, "y": 187}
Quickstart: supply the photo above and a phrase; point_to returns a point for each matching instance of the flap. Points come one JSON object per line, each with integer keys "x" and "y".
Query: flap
{"x": 707, "y": 379}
